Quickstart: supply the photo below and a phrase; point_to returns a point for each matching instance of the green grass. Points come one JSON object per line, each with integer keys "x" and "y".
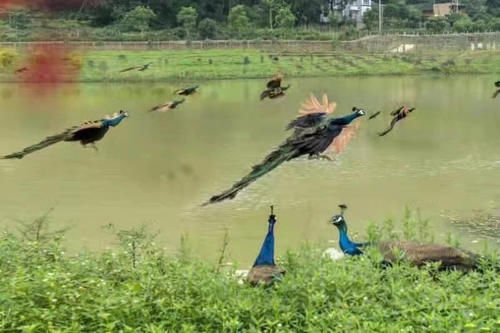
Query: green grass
{"x": 138, "y": 288}
{"x": 104, "y": 66}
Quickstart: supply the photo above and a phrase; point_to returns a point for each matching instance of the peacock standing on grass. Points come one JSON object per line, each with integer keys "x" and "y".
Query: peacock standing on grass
{"x": 167, "y": 106}
{"x": 417, "y": 253}
{"x": 265, "y": 270}
{"x": 274, "y": 88}
{"x": 398, "y": 115}
{"x": 186, "y": 91}
{"x": 87, "y": 133}
{"x": 314, "y": 133}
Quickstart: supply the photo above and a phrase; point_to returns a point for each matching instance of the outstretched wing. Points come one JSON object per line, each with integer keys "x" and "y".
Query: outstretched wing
{"x": 395, "y": 112}
{"x": 307, "y": 120}
{"x": 162, "y": 107}
{"x": 342, "y": 140}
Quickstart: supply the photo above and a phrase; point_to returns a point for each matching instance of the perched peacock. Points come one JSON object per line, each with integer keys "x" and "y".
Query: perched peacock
{"x": 87, "y": 133}
{"x": 314, "y": 133}
{"x": 265, "y": 270}
{"x": 417, "y": 253}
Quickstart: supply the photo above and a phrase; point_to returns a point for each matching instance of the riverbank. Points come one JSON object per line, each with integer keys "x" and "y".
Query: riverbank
{"x": 174, "y": 65}
{"x": 139, "y": 288}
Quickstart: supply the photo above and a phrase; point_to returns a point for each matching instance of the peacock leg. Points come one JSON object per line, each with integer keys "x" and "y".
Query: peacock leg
{"x": 94, "y": 146}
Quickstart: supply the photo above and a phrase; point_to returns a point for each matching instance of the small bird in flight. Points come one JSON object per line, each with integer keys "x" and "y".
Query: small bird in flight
{"x": 141, "y": 68}
{"x": 398, "y": 115}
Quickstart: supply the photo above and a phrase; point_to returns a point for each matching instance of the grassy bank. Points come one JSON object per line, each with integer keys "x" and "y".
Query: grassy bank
{"x": 105, "y": 66}
{"x": 138, "y": 288}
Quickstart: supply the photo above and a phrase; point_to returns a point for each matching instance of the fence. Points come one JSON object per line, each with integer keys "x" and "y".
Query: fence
{"x": 373, "y": 43}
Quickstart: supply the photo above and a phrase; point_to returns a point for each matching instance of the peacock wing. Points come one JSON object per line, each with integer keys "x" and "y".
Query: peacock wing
{"x": 341, "y": 141}
{"x": 265, "y": 274}
{"x": 419, "y": 254}
{"x": 312, "y": 105}
{"x": 307, "y": 120}
{"x": 88, "y": 125}
{"x": 275, "y": 82}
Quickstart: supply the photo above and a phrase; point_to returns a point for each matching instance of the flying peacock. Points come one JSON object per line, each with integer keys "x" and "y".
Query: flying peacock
{"x": 140, "y": 68}
{"x": 265, "y": 270}
{"x": 314, "y": 133}
{"x": 167, "y": 106}
{"x": 274, "y": 88}
{"x": 186, "y": 91}
{"x": 497, "y": 84}
{"x": 87, "y": 133}
{"x": 398, "y": 115}
{"x": 417, "y": 253}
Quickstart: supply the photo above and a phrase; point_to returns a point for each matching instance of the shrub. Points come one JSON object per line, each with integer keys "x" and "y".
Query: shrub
{"x": 138, "y": 19}
{"x": 207, "y": 28}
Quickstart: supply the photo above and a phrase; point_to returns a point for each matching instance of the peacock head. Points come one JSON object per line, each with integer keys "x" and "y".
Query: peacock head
{"x": 338, "y": 219}
{"x": 358, "y": 111}
{"x": 116, "y": 118}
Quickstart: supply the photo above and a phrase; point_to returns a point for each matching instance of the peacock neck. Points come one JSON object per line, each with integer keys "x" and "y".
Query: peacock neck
{"x": 346, "y": 120}
{"x": 266, "y": 254}
{"x": 113, "y": 122}
{"x": 346, "y": 245}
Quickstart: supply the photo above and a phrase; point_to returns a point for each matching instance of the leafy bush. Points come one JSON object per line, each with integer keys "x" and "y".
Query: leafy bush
{"x": 436, "y": 24}
{"x": 137, "y": 19}
{"x": 7, "y": 57}
{"x": 187, "y": 18}
{"x": 238, "y": 19}
{"x": 207, "y": 28}
{"x": 19, "y": 19}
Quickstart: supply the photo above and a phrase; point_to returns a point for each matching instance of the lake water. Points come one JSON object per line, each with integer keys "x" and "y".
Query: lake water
{"x": 156, "y": 169}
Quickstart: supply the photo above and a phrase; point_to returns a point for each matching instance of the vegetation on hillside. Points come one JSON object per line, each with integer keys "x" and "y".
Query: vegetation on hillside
{"x": 241, "y": 19}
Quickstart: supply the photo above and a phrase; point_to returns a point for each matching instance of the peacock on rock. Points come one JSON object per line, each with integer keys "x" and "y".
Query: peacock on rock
{"x": 274, "y": 88}
{"x": 186, "y": 91}
{"x": 87, "y": 133}
{"x": 265, "y": 270}
{"x": 167, "y": 106}
{"x": 398, "y": 115}
{"x": 416, "y": 253}
{"x": 314, "y": 133}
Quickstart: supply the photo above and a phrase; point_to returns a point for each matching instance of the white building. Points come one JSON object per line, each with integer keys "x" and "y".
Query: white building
{"x": 349, "y": 9}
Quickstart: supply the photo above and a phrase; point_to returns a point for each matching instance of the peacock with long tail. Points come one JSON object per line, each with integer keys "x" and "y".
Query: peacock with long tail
{"x": 314, "y": 133}
{"x": 264, "y": 269}
{"x": 497, "y": 84}
{"x": 167, "y": 106}
{"x": 398, "y": 115}
{"x": 87, "y": 133}
{"x": 416, "y": 253}
{"x": 274, "y": 88}
{"x": 140, "y": 68}
{"x": 186, "y": 91}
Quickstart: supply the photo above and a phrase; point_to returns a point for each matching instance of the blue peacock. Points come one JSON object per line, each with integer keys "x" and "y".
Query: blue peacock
{"x": 416, "y": 253}
{"x": 264, "y": 269}
{"x": 314, "y": 133}
{"x": 87, "y": 133}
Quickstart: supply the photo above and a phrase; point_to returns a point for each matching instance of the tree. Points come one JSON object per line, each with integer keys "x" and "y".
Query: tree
{"x": 187, "y": 18}
{"x": 19, "y": 19}
{"x": 207, "y": 28}
{"x": 138, "y": 19}
{"x": 370, "y": 19}
{"x": 272, "y": 6}
{"x": 464, "y": 24}
{"x": 436, "y": 24}
{"x": 285, "y": 18}
{"x": 238, "y": 19}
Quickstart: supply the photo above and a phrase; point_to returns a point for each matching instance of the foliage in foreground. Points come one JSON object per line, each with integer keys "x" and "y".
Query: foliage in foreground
{"x": 140, "y": 288}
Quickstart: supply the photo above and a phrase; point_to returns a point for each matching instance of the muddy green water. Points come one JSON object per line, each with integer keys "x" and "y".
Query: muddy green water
{"x": 156, "y": 169}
